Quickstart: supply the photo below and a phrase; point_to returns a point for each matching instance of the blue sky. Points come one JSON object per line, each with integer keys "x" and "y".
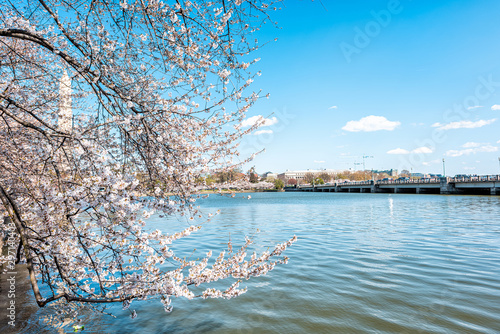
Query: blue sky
{"x": 407, "y": 82}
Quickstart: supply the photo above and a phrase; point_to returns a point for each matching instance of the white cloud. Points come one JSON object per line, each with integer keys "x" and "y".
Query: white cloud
{"x": 260, "y": 132}
{"x": 319, "y": 161}
{"x": 474, "y": 107}
{"x": 469, "y": 168}
{"x": 251, "y": 121}
{"x": 498, "y": 142}
{"x": 423, "y": 149}
{"x": 471, "y": 144}
{"x": 468, "y": 151}
{"x": 333, "y": 107}
{"x": 371, "y": 123}
{"x": 398, "y": 151}
{"x": 495, "y": 107}
{"x": 463, "y": 124}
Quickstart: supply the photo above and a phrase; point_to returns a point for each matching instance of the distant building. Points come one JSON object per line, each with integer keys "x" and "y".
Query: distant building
{"x": 269, "y": 176}
{"x": 301, "y": 174}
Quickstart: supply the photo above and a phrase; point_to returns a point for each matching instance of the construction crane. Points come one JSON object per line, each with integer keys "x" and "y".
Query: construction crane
{"x": 366, "y": 157}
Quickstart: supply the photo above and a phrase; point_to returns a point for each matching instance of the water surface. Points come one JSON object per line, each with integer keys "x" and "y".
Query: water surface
{"x": 364, "y": 263}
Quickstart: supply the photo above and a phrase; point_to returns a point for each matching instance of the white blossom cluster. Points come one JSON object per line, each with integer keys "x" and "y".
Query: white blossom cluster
{"x": 156, "y": 91}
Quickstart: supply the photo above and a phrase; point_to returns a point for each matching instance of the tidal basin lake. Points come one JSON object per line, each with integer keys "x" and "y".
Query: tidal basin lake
{"x": 363, "y": 263}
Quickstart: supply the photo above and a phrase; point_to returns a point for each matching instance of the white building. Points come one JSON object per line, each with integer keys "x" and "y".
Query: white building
{"x": 270, "y": 176}
{"x": 301, "y": 174}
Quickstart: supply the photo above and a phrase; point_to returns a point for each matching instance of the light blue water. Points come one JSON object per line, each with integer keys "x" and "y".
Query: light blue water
{"x": 364, "y": 263}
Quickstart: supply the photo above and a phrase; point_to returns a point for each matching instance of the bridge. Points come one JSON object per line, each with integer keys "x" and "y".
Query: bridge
{"x": 484, "y": 185}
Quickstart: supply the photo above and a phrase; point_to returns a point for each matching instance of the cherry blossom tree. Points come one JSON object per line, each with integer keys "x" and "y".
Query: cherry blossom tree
{"x": 109, "y": 113}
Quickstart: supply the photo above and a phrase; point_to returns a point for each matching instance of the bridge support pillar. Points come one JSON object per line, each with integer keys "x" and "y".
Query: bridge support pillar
{"x": 495, "y": 191}
{"x": 446, "y": 187}
{"x": 417, "y": 190}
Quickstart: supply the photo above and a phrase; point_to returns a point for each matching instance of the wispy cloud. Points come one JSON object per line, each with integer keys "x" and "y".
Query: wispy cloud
{"x": 495, "y": 107}
{"x": 422, "y": 150}
{"x": 474, "y": 107}
{"x": 371, "y": 123}
{"x": 463, "y": 124}
{"x": 472, "y": 144}
{"x": 319, "y": 161}
{"x": 257, "y": 119}
{"x": 333, "y": 107}
{"x": 474, "y": 150}
{"x": 260, "y": 132}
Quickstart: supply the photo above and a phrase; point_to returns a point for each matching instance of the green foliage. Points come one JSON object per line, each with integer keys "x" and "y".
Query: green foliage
{"x": 319, "y": 180}
{"x": 78, "y": 328}
{"x": 209, "y": 180}
{"x": 279, "y": 184}
{"x": 229, "y": 176}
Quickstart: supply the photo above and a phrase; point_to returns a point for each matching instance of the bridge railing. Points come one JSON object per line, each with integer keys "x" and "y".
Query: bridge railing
{"x": 420, "y": 181}
{"x": 475, "y": 178}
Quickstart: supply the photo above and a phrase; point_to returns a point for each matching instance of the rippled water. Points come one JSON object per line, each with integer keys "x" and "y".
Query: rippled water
{"x": 364, "y": 263}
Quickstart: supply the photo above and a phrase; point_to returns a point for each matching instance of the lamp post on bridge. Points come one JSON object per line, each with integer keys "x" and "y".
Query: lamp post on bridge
{"x": 444, "y": 169}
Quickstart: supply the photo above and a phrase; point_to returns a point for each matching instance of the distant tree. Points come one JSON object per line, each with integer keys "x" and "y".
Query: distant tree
{"x": 319, "y": 180}
{"x": 279, "y": 184}
{"x": 292, "y": 182}
{"x": 309, "y": 177}
{"x": 230, "y": 175}
{"x": 209, "y": 180}
{"x": 342, "y": 176}
{"x": 325, "y": 176}
{"x": 200, "y": 180}
{"x": 253, "y": 177}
